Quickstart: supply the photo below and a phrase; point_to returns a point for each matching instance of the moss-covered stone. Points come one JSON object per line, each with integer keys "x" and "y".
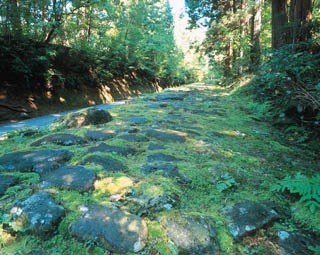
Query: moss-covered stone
{"x": 86, "y": 117}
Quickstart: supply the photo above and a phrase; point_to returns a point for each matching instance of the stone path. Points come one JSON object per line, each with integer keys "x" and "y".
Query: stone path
{"x": 92, "y": 172}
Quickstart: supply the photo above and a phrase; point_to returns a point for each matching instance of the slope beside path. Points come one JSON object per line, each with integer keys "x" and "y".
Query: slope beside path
{"x": 185, "y": 171}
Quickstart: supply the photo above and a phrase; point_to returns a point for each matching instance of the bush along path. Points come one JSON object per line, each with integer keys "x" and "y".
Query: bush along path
{"x": 186, "y": 171}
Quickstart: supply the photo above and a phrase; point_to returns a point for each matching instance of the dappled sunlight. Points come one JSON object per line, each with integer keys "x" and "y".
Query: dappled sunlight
{"x": 6, "y": 238}
{"x": 150, "y": 189}
{"x": 113, "y": 185}
{"x": 68, "y": 179}
{"x": 62, "y": 100}
{"x": 91, "y": 102}
{"x": 154, "y": 174}
{"x": 235, "y": 133}
{"x": 199, "y": 145}
{"x": 49, "y": 94}
{"x": 227, "y": 156}
{"x": 155, "y": 185}
{"x": 32, "y": 102}
{"x": 132, "y": 226}
{"x": 4, "y": 137}
{"x": 122, "y": 88}
{"x": 105, "y": 94}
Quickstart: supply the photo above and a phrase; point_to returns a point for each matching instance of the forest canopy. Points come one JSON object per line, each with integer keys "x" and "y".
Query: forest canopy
{"x": 51, "y": 41}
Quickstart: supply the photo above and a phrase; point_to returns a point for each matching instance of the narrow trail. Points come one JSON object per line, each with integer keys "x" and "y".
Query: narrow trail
{"x": 185, "y": 171}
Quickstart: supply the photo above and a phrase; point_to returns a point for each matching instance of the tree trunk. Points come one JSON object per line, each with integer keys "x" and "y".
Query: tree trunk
{"x": 6, "y": 20}
{"x": 27, "y": 14}
{"x": 229, "y": 59}
{"x": 228, "y": 62}
{"x": 45, "y": 20}
{"x": 255, "y": 50}
{"x": 15, "y": 18}
{"x": 300, "y": 16}
{"x": 279, "y": 23}
{"x": 243, "y": 25}
{"x": 89, "y": 20}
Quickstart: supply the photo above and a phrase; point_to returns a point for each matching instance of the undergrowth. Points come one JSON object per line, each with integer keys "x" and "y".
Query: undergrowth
{"x": 288, "y": 82}
{"x": 307, "y": 188}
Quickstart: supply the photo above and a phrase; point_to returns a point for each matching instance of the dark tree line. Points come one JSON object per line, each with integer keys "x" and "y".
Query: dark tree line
{"x": 115, "y": 38}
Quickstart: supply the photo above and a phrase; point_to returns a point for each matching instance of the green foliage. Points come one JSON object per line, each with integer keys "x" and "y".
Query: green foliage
{"x": 261, "y": 110}
{"x": 230, "y": 45}
{"x": 288, "y": 82}
{"x": 315, "y": 249}
{"x": 225, "y": 182}
{"x": 297, "y": 134}
{"x": 118, "y": 40}
{"x": 307, "y": 188}
{"x": 5, "y": 218}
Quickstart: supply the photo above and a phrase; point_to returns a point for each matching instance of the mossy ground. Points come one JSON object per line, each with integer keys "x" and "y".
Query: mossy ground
{"x": 225, "y": 141}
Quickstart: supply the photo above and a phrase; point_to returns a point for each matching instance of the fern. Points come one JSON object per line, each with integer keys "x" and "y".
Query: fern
{"x": 307, "y": 188}
{"x": 226, "y": 181}
{"x": 315, "y": 249}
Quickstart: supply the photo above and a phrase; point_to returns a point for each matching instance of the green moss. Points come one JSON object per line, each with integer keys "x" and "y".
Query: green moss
{"x": 156, "y": 185}
{"x": 19, "y": 191}
{"x": 27, "y": 178}
{"x": 225, "y": 241}
{"x": 157, "y": 238}
{"x": 303, "y": 215}
{"x": 71, "y": 200}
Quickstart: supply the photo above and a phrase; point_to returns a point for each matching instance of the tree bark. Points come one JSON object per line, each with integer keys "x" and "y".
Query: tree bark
{"x": 300, "y": 17}
{"x": 255, "y": 50}
{"x": 228, "y": 62}
{"x": 279, "y": 23}
{"x": 89, "y": 20}
{"x": 229, "y": 59}
{"x": 243, "y": 23}
{"x": 243, "y": 30}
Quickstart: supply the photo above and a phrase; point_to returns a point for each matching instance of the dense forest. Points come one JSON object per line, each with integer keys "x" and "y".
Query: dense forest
{"x": 276, "y": 41}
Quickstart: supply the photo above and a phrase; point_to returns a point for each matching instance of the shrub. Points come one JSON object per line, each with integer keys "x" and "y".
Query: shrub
{"x": 289, "y": 80}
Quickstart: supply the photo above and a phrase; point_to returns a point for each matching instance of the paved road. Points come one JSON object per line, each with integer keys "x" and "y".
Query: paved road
{"x": 48, "y": 119}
